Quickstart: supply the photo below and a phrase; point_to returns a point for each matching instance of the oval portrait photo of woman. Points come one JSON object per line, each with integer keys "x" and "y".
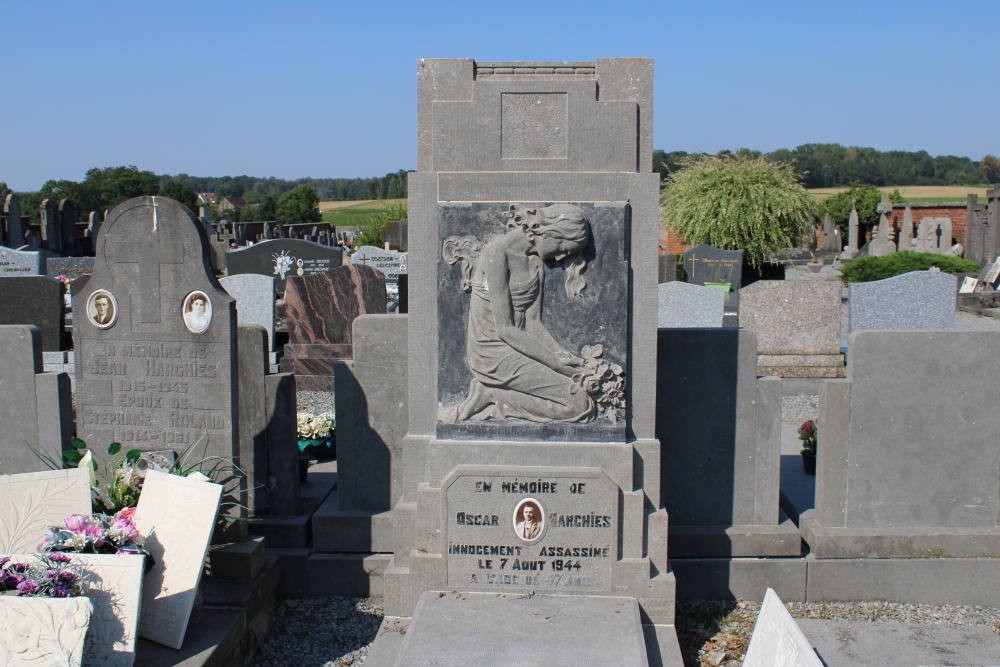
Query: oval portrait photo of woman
{"x": 197, "y": 311}
{"x": 102, "y": 309}
{"x": 529, "y": 520}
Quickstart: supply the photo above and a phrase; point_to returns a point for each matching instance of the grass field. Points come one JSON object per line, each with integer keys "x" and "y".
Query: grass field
{"x": 351, "y": 213}
{"x": 917, "y": 194}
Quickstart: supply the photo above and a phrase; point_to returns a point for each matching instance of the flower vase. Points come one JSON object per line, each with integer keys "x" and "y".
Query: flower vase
{"x": 323, "y": 448}
{"x": 809, "y": 463}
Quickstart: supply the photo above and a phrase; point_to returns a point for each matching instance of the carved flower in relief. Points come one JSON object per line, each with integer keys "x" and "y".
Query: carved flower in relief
{"x": 603, "y": 381}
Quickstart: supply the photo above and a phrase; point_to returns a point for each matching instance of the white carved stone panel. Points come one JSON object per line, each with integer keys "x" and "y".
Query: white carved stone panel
{"x": 41, "y": 632}
{"x": 777, "y": 641}
{"x": 114, "y": 586}
{"x": 30, "y": 502}
{"x": 176, "y": 517}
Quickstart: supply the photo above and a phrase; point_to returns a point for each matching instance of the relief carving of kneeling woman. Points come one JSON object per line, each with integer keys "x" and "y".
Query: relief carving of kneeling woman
{"x": 519, "y": 370}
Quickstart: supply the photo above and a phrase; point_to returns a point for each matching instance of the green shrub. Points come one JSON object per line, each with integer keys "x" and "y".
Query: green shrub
{"x": 738, "y": 202}
{"x": 867, "y": 269}
{"x": 374, "y": 224}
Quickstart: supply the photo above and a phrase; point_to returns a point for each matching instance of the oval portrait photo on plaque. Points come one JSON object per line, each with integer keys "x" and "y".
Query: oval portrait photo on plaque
{"x": 102, "y": 309}
{"x": 197, "y": 311}
{"x": 529, "y": 520}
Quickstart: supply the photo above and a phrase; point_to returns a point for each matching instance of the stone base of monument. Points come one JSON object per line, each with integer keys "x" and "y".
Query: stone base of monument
{"x": 908, "y": 542}
{"x": 930, "y": 581}
{"x": 739, "y": 578}
{"x": 802, "y": 365}
{"x": 351, "y": 531}
{"x": 233, "y": 623}
{"x": 296, "y": 531}
{"x": 450, "y": 628}
{"x": 313, "y": 364}
{"x": 783, "y": 540}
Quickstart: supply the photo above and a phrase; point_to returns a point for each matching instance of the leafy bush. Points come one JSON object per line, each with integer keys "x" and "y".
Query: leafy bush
{"x": 866, "y": 199}
{"x": 867, "y": 269}
{"x": 371, "y": 229}
{"x": 738, "y": 202}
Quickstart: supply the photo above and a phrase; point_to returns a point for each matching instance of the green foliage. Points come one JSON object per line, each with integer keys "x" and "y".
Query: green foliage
{"x": 374, "y": 224}
{"x": 180, "y": 192}
{"x": 989, "y": 167}
{"x": 739, "y": 202}
{"x": 298, "y": 206}
{"x": 867, "y": 269}
{"x": 866, "y": 199}
{"x": 106, "y": 188}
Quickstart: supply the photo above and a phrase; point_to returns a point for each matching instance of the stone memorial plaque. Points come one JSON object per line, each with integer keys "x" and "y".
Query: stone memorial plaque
{"x": 530, "y": 529}
{"x": 175, "y": 516}
{"x": 389, "y": 262}
{"x": 36, "y": 300}
{"x": 254, "y": 296}
{"x": 562, "y": 272}
{"x": 31, "y": 502}
{"x": 994, "y": 272}
{"x": 705, "y": 264}
{"x": 19, "y": 263}
{"x": 777, "y": 640}
{"x": 157, "y": 373}
{"x": 71, "y": 267}
{"x": 282, "y": 258}
{"x": 43, "y": 631}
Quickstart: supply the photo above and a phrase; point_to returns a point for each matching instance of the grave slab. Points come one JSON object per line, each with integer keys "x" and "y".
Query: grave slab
{"x": 684, "y": 305}
{"x": 842, "y": 643}
{"x": 705, "y": 264}
{"x": 114, "y": 586}
{"x": 915, "y": 300}
{"x": 31, "y": 502}
{"x": 176, "y": 517}
{"x": 524, "y": 630}
{"x": 792, "y": 317}
{"x": 390, "y": 263}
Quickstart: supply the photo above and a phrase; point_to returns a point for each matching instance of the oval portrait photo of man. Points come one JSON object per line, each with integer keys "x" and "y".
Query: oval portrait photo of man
{"x": 529, "y": 520}
{"x": 197, "y": 311}
{"x": 102, "y": 309}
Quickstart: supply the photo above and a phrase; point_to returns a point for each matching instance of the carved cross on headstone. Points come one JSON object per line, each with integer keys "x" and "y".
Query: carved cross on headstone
{"x": 149, "y": 270}
{"x": 937, "y": 232}
{"x": 225, "y": 236}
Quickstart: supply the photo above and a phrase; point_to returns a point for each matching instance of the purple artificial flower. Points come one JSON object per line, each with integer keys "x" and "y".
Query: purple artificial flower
{"x": 68, "y": 576}
{"x": 76, "y": 523}
{"x": 60, "y": 591}
{"x": 11, "y": 580}
{"x": 59, "y": 558}
{"x": 27, "y": 587}
{"x": 4, "y": 560}
{"x": 51, "y": 575}
{"x": 19, "y": 567}
{"x": 128, "y": 529}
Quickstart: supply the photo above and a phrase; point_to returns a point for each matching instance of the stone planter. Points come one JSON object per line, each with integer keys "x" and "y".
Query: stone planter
{"x": 43, "y": 631}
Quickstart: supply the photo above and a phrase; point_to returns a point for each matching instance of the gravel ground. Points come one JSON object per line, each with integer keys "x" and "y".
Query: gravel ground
{"x": 315, "y": 401}
{"x": 972, "y": 321}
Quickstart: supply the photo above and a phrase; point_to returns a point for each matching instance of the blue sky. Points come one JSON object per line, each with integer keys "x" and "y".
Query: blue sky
{"x": 328, "y": 89}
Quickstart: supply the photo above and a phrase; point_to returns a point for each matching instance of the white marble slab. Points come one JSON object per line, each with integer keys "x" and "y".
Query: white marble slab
{"x": 32, "y": 501}
{"x": 43, "y": 631}
{"x": 114, "y": 586}
{"x": 176, "y": 517}
{"x": 777, "y": 640}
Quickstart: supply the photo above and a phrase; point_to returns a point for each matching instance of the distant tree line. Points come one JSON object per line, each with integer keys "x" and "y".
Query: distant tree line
{"x": 833, "y": 165}
{"x": 103, "y": 189}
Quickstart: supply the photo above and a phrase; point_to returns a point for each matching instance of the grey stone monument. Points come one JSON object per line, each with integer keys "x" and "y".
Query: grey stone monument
{"x": 909, "y": 475}
{"x": 67, "y": 226}
{"x": 48, "y": 212}
{"x": 683, "y": 305}
{"x": 851, "y": 249}
{"x": 831, "y": 235}
{"x": 933, "y": 235}
{"x": 14, "y": 236}
{"x": 38, "y": 301}
{"x": 531, "y": 464}
{"x": 35, "y": 407}
{"x": 160, "y": 364}
{"x": 254, "y": 296}
{"x": 915, "y": 300}
{"x": 19, "y": 262}
{"x": 882, "y": 243}
{"x": 906, "y": 230}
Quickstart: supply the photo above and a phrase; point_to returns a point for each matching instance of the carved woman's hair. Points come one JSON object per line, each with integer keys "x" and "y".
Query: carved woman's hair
{"x": 566, "y": 222}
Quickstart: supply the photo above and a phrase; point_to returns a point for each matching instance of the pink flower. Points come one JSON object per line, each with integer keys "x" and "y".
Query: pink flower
{"x": 60, "y": 591}
{"x": 126, "y": 513}
{"x": 59, "y": 558}
{"x": 128, "y": 529}
{"x": 76, "y": 523}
